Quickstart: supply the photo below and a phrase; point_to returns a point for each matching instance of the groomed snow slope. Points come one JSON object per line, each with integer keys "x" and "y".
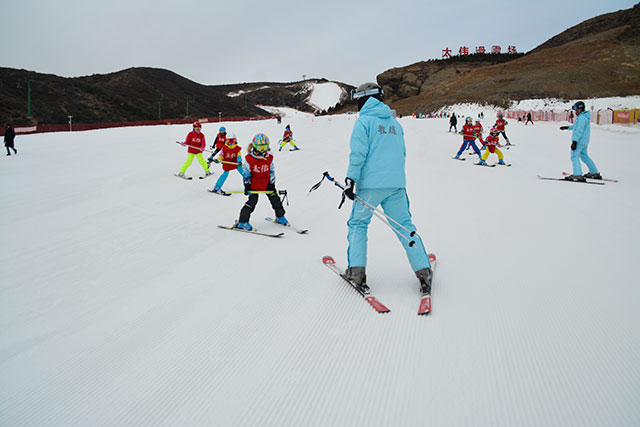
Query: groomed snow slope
{"x": 325, "y": 95}
{"x": 121, "y": 303}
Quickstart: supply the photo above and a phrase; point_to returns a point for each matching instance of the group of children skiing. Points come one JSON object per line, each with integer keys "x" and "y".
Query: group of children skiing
{"x": 375, "y": 177}
{"x": 257, "y": 168}
{"x": 471, "y": 131}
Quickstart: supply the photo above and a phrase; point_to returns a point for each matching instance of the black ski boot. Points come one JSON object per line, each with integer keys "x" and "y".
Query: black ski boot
{"x": 593, "y": 175}
{"x": 424, "y": 276}
{"x": 358, "y": 277}
{"x": 579, "y": 178}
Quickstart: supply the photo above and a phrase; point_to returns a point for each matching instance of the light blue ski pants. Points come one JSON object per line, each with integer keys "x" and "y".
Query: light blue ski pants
{"x": 395, "y": 204}
{"x": 580, "y": 153}
{"x": 221, "y": 180}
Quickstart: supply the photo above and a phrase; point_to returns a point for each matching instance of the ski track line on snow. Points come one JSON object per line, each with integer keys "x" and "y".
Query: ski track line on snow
{"x": 210, "y": 372}
{"x": 79, "y": 378}
{"x": 275, "y": 386}
{"x": 264, "y": 318}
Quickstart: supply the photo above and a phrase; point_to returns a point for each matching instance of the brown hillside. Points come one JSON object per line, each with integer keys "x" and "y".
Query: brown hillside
{"x": 600, "y": 58}
{"x": 127, "y": 95}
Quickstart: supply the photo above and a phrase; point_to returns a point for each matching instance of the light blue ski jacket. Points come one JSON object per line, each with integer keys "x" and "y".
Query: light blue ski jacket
{"x": 582, "y": 128}
{"x": 377, "y": 148}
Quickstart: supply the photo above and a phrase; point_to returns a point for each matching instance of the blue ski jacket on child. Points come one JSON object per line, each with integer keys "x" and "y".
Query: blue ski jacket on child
{"x": 581, "y": 128}
{"x": 377, "y": 148}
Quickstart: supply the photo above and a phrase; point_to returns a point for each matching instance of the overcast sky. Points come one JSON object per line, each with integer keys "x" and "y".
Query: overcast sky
{"x": 219, "y": 42}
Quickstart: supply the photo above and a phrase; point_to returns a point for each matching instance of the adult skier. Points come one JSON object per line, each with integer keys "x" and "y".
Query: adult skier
{"x": 580, "y": 143}
{"x": 9, "y": 137}
{"x": 453, "y": 121}
{"x": 196, "y": 143}
{"x": 529, "y": 119}
{"x": 259, "y": 175}
{"x": 377, "y": 170}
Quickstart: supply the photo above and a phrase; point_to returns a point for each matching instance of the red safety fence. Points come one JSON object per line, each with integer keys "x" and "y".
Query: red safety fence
{"x": 600, "y": 117}
{"x": 40, "y": 128}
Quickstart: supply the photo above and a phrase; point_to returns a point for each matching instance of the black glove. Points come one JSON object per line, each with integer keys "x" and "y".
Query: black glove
{"x": 574, "y": 145}
{"x": 272, "y": 187}
{"x": 564, "y": 127}
{"x": 247, "y": 188}
{"x": 349, "y": 186}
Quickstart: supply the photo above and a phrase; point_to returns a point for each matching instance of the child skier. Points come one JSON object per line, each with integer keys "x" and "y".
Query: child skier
{"x": 287, "y": 138}
{"x": 259, "y": 175}
{"x": 468, "y": 138}
{"x": 477, "y": 128}
{"x": 231, "y": 160}
{"x": 196, "y": 143}
{"x": 492, "y": 143}
{"x": 500, "y": 124}
{"x": 217, "y": 144}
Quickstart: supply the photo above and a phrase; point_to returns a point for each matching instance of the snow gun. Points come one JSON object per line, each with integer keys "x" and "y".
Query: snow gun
{"x": 374, "y": 210}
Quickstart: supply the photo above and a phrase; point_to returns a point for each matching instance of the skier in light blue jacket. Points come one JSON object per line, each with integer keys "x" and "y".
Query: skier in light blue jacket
{"x": 580, "y": 143}
{"x": 377, "y": 170}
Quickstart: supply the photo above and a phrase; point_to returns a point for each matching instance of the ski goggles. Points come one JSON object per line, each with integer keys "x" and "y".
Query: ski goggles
{"x": 357, "y": 95}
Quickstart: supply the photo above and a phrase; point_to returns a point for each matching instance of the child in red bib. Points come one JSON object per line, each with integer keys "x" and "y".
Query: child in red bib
{"x": 231, "y": 159}
{"x": 259, "y": 175}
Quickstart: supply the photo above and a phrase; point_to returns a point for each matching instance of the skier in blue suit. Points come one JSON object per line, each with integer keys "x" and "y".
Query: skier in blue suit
{"x": 377, "y": 169}
{"x": 580, "y": 142}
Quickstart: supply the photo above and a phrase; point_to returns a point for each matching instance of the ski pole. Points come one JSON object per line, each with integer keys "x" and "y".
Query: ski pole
{"x": 380, "y": 215}
{"x": 185, "y": 145}
{"x": 372, "y": 208}
{"x": 283, "y": 192}
{"x": 229, "y": 163}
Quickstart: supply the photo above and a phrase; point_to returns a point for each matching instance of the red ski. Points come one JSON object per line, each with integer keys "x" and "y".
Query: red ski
{"x": 373, "y": 301}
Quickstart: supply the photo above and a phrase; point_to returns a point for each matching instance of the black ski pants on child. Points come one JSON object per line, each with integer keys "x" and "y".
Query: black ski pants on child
{"x": 252, "y": 201}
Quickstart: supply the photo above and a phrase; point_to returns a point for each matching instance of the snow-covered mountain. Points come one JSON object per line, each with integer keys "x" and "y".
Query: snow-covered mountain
{"x": 315, "y": 96}
{"x": 122, "y": 303}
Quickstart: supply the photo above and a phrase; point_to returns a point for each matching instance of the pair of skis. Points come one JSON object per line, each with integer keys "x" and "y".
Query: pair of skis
{"x": 492, "y": 165}
{"x": 595, "y": 182}
{"x": 188, "y": 178}
{"x": 259, "y": 233}
{"x": 425, "y": 299}
{"x": 603, "y": 179}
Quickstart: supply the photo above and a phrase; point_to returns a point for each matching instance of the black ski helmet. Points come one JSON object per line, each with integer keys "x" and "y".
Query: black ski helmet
{"x": 365, "y": 91}
{"x": 578, "y": 106}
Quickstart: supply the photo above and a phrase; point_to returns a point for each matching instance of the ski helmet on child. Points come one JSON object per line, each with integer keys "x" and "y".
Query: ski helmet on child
{"x": 260, "y": 145}
{"x": 499, "y": 115}
{"x": 197, "y": 125}
{"x": 578, "y": 106}
{"x": 223, "y": 130}
{"x": 366, "y": 91}
{"x": 288, "y": 127}
{"x": 468, "y": 119}
{"x": 231, "y": 140}
{"x": 494, "y": 131}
